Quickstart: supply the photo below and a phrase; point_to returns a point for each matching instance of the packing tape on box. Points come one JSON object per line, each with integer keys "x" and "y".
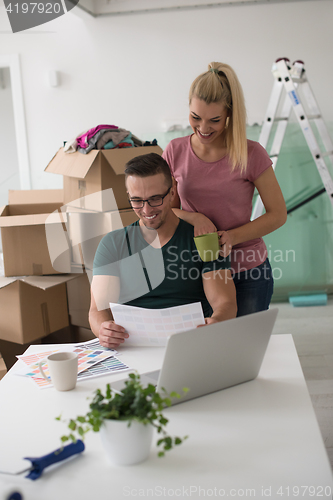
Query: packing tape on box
{"x": 45, "y": 317}
{"x": 82, "y": 190}
{"x": 81, "y": 255}
{"x": 63, "y": 222}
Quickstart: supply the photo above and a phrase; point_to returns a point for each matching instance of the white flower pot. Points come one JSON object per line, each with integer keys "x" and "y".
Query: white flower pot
{"x": 126, "y": 445}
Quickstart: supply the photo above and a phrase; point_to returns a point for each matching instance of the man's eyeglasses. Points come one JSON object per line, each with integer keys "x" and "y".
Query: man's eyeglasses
{"x": 154, "y": 201}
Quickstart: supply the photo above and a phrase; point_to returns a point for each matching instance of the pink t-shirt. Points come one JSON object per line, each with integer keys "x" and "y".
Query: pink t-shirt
{"x": 225, "y": 197}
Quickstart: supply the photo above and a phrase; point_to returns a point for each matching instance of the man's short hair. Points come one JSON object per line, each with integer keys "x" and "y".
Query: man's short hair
{"x": 147, "y": 165}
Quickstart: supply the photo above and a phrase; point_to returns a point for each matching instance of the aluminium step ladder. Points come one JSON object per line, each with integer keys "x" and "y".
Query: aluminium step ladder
{"x": 290, "y": 79}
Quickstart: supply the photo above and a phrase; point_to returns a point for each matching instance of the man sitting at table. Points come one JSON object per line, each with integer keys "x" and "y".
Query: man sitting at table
{"x": 154, "y": 263}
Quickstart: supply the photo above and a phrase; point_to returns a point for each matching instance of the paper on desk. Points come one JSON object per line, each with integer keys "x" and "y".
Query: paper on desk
{"x": 35, "y": 357}
{"x": 152, "y": 327}
{"x": 93, "y": 360}
{"x": 94, "y": 344}
{"x": 28, "y": 359}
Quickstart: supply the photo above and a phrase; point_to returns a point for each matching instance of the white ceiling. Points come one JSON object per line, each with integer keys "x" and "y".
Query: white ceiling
{"x": 99, "y": 8}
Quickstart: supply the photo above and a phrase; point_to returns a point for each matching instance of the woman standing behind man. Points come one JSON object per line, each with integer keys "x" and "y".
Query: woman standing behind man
{"x": 216, "y": 170}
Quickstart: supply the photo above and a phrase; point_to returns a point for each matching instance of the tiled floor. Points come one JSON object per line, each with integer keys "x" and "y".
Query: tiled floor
{"x": 312, "y": 331}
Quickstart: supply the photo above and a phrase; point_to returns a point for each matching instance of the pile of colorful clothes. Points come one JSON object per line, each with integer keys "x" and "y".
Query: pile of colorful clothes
{"x": 104, "y": 137}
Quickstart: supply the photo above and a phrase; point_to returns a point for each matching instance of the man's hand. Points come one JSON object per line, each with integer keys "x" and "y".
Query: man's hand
{"x": 221, "y": 294}
{"x": 112, "y": 335}
{"x": 106, "y": 289}
{"x": 209, "y": 321}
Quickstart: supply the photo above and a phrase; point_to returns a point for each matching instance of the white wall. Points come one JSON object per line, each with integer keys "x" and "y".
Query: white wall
{"x": 135, "y": 70}
{"x": 9, "y": 170}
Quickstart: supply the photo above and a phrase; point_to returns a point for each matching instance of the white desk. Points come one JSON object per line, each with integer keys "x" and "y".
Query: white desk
{"x": 259, "y": 440}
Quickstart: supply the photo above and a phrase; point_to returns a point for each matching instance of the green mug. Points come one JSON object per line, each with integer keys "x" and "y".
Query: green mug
{"x": 208, "y": 246}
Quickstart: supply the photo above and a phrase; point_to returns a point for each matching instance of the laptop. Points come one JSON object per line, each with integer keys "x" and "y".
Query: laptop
{"x": 212, "y": 357}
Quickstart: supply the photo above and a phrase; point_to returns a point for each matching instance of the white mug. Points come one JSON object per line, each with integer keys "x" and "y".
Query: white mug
{"x": 63, "y": 367}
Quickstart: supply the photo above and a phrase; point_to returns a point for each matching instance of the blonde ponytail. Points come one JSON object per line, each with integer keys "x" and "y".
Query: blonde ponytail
{"x": 220, "y": 83}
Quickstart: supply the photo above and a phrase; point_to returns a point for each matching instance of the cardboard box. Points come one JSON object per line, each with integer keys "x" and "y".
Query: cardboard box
{"x": 86, "y": 229}
{"x": 31, "y": 196}
{"x": 78, "y": 293}
{"x": 94, "y": 172}
{"x": 24, "y": 244}
{"x": 32, "y": 307}
{"x": 3, "y": 368}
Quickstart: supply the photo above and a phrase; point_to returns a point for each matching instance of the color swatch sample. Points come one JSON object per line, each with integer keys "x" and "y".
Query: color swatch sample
{"x": 29, "y": 359}
{"x": 91, "y": 363}
{"x": 152, "y": 327}
{"x": 103, "y": 368}
{"x": 89, "y": 357}
{"x": 94, "y": 344}
{"x": 86, "y": 359}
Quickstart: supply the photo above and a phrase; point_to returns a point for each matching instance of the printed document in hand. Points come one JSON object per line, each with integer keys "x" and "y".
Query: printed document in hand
{"x": 152, "y": 327}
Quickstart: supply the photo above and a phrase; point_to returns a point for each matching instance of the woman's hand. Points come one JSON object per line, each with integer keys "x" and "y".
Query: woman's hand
{"x": 225, "y": 243}
{"x": 203, "y": 225}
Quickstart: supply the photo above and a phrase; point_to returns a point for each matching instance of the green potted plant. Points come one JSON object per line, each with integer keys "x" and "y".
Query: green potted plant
{"x": 126, "y": 421}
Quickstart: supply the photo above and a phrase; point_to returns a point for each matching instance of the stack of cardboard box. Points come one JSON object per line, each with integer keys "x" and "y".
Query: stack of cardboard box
{"x": 46, "y": 286}
{"x": 33, "y": 297}
{"x": 33, "y": 301}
